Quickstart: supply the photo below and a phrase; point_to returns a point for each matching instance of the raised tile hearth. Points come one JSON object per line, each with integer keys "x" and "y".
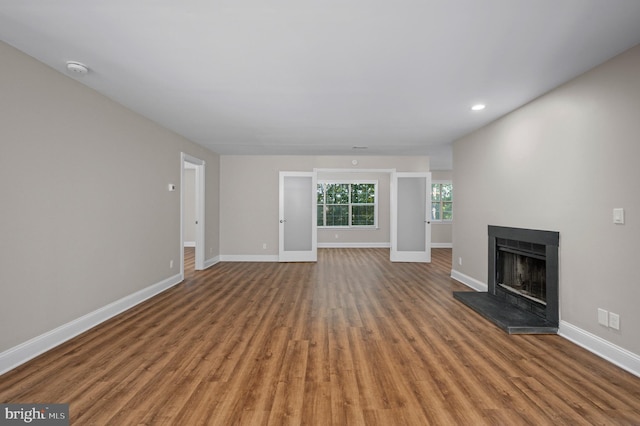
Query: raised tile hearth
{"x": 522, "y": 296}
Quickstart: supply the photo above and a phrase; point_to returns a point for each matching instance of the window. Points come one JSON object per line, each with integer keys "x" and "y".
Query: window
{"x": 347, "y": 204}
{"x": 442, "y": 201}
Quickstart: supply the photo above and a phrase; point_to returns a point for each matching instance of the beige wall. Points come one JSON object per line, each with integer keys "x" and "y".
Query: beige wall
{"x": 85, "y": 214}
{"x": 562, "y": 163}
{"x": 249, "y": 221}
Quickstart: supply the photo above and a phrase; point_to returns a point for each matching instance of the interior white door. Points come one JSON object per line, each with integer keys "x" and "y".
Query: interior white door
{"x": 298, "y": 239}
{"x": 410, "y": 218}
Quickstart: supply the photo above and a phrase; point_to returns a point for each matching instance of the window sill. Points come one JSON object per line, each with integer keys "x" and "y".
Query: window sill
{"x": 349, "y": 228}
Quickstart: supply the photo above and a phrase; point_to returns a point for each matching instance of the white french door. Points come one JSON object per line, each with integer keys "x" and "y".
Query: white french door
{"x": 298, "y": 239}
{"x": 410, "y": 217}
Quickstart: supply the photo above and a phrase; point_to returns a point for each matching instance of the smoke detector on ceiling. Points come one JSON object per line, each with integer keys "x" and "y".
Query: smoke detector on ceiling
{"x": 77, "y": 68}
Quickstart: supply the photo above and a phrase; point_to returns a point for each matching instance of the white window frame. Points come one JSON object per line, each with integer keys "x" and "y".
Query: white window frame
{"x": 351, "y": 182}
{"x": 447, "y": 182}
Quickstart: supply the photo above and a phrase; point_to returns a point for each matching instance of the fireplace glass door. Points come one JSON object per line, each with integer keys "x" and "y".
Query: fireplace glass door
{"x": 522, "y": 274}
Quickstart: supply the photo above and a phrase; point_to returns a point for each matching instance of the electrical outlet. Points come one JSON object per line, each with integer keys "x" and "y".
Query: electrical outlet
{"x": 171, "y": 264}
{"x": 460, "y": 261}
{"x": 603, "y": 317}
{"x": 264, "y": 246}
{"x": 614, "y": 321}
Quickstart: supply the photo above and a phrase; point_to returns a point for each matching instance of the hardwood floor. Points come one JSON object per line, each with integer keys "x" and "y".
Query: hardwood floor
{"x": 351, "y": 340}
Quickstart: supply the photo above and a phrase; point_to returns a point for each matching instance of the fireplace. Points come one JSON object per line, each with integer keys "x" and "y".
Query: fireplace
{"x": 522, "y": 294}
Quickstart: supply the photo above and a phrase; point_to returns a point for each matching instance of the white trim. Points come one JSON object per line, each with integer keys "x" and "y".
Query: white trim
{"x": 322, "y": 170}
{"x": 614, "y": 354}
{"x": 441, "y": 245}
{"x": 349, "y": 228}
{"x": 469, "y": 281}
{"x": 604, "y": 349}
{"x": 189, "y": 244}
{"x": 249, "y": 258}
{"x": 200, "y": 215}
{"x": 210, "y": 262}
{"x": 354, "y": 245}
{"x": 13, "y": 357}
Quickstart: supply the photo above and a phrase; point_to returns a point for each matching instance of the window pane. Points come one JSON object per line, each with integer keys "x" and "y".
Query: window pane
{"x": 337, "y": 215}
{"x": 362, "y": 215}
{"x": 320, "y": 221}
{"x": 447, "y": 192}
{"x": 362, "y": 193}
{"x": 447, "y": 211}
{"x": 337, "y": 193}
{"x": 435, "y": 192}
{"x": 435, "y": 211}
{"x": 320, "y": 193}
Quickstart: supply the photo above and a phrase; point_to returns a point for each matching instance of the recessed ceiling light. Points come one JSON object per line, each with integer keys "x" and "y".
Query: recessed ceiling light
{"x": 478, "y": 107}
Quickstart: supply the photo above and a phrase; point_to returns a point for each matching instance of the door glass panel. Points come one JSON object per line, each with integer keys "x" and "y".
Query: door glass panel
{"x": 297, "y": 213}
{"x": 411, "y": 213}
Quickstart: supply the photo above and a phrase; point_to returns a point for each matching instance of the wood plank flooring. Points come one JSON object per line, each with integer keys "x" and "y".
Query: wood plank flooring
{"x": 351, "y": 340}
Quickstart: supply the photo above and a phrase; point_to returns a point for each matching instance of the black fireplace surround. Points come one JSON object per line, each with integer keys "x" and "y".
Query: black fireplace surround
{"x": 522, "y": 296}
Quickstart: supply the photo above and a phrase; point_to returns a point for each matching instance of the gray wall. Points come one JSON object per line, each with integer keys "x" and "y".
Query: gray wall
{"x": 85, "y": 214}
{"x": 249, "y": 197}
{"x": 562, "y": 163}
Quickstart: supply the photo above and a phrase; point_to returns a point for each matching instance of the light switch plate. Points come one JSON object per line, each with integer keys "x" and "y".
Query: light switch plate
{"x": 614, "y": 321}
{"x": 618, "y": 216}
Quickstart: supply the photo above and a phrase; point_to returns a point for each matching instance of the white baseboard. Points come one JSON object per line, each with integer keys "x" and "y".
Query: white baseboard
{"x": 13, "y": 357}
{"x": 614, "y": 354}
{"x": 189, "y": 244}
{"x": 28, "y": 350}
{"x": 441, "y": 245}
{"x": 210, "y": 262}
{"x": 248, "y": 258}
{"x": 354, "y": 245}
{"x": 469, "y": 281}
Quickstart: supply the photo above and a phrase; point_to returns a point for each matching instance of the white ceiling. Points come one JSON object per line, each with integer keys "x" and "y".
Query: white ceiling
{"x": 320, "y": 77}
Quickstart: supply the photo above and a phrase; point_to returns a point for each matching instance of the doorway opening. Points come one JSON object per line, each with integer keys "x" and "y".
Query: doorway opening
{"x": 404, "y": 220}
{"x": 192, "y": 202}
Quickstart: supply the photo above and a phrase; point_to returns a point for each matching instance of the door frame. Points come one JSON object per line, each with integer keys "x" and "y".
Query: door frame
{"x": 199, "y": 207}
{"x": 393, "y": 209}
